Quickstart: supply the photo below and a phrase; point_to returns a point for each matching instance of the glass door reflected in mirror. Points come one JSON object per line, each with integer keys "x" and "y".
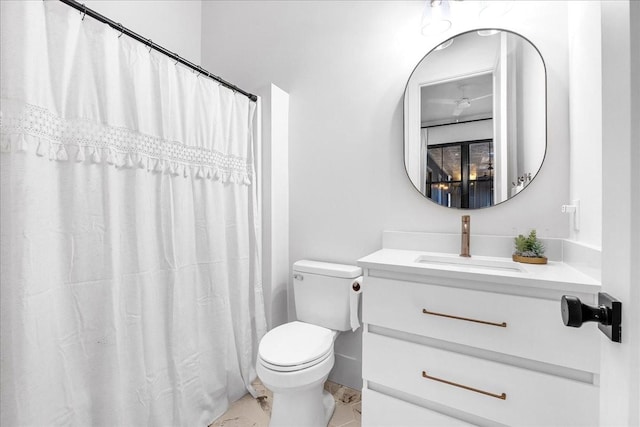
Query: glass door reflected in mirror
{"x": 460, "y": 174}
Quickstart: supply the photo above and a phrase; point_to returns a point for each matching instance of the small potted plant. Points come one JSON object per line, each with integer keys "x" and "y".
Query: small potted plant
{"x": 529, "y": 250}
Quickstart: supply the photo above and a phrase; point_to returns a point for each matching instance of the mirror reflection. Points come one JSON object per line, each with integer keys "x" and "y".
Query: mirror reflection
{"x": 475, "y": 119}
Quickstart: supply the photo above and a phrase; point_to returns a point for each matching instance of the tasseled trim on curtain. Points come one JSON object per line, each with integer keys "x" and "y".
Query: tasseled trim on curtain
{"x": 62, "y": 153}
{"x": 38, "y": 131}
{"x": 40, "y": 149}
{"x": 22, "y": 144}
{"x": 111, "y": 157}
{"x": 95, "y": 157}
{"x": 128, "y": 163}
{"x": 80, "y": 154}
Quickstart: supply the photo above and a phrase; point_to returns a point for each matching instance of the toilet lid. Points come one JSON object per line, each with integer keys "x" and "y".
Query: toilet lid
{"x": 295, "y": 343}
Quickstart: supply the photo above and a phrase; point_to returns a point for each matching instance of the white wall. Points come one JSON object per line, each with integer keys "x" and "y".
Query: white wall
{"x": 585, "y": 81}
{"x": 275, "y": 203}
{"x": 457, "y": 132}
{"x": 530, "y": 111}
{"x": 345, "y": 65}
{"x": 173, "y": 24}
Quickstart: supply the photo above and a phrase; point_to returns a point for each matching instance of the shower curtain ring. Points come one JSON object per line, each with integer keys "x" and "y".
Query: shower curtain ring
{"x": 84, "y": 11}
{"x": 121, "y": 30}
{"x": 150, "y": 45}
{"x": 177, "y": 59}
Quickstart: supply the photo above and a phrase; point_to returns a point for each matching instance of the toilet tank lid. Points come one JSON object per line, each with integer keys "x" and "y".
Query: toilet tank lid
{"x": 327, "y": 269}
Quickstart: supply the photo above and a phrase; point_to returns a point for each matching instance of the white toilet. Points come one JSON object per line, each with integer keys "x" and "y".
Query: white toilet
{"x": 294, "y": 359}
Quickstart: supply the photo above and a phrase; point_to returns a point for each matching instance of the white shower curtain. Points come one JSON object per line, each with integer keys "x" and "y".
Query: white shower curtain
{"x": 130, "y": 273}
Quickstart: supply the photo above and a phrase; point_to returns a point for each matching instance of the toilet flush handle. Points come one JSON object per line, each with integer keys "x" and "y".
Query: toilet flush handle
{"x": 355, "y": 286}
{"x": 298, "y": 277}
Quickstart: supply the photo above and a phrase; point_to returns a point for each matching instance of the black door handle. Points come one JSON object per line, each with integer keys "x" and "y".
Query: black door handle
{"x": 608, "y": 314}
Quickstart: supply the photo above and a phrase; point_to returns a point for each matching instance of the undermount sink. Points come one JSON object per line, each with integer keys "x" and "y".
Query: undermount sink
{"x": 476, "y": 263}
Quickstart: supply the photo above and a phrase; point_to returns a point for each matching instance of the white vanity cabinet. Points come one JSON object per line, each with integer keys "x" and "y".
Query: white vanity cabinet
{"x": 456, "y": 346}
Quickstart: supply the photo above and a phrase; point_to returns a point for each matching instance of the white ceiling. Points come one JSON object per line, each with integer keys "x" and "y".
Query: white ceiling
{"x": 461, "y": 70}
{"x": 439, "y": 101}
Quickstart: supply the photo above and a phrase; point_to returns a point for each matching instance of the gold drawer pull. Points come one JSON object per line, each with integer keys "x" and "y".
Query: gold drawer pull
{"x": 484, "y": 322}
{"x": 502, "y": 396}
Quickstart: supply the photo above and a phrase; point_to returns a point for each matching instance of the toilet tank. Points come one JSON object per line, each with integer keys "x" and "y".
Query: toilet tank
{"x": 322, "y": 291}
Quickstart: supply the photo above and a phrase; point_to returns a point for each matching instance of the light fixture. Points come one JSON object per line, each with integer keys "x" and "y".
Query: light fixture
{"x": 444, "y": 45}
{"x": 436, "y": 17}
{"x": 485, "y": 33}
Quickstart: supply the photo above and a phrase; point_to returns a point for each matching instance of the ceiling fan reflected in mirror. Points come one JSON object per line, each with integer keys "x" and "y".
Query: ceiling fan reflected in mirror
{"x": 464, "y": 103}
{"x": 460, "y": 104}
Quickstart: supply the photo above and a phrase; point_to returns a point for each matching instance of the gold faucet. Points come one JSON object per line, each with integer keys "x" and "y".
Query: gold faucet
{"x": 466, "y": 235}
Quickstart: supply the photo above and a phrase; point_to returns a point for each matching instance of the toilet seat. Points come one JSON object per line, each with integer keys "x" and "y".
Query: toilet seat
{"x": 295, "y": 346}
{"x": 292, "y": 368}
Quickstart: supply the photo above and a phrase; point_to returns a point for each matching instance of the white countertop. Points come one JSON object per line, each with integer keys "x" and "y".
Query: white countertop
{"x": 554, "y": 275}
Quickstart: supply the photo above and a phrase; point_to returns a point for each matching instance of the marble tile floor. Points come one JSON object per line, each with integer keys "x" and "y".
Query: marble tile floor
{"x": 250, "y": 412}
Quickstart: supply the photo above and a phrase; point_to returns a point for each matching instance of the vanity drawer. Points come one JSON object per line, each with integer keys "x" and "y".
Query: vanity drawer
{"x": 380, "y": 410}
{"x": 530, "y": 398}
{"x": 520, "y": 326}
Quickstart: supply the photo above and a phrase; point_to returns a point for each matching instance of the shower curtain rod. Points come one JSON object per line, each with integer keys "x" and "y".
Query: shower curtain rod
{"x": 124, "y": 30}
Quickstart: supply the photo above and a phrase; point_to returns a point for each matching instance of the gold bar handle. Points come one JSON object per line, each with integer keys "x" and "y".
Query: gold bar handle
{"x": 502, "y": 396}
{"x": 484, "y": 322}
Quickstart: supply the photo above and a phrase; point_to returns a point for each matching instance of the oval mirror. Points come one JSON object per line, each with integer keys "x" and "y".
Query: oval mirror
{"x": 475, "y": 119}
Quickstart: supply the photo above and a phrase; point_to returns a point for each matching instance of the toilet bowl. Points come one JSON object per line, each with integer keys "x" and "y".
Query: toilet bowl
{"x": 295, "y": 359}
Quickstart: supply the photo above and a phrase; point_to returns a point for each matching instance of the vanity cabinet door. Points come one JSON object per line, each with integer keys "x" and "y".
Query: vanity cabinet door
{"x": 526, "y": 327}
{"x": 492, "y": 391}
